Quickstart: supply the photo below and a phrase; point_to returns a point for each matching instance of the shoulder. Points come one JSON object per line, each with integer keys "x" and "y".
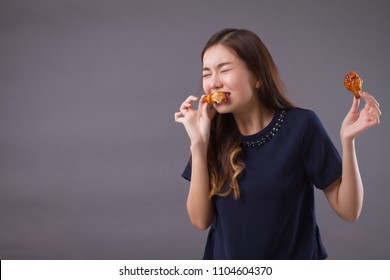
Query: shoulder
{"x": 300, "y": 112}
{"x": 303, "y": 122}
{"x": 302, "y": 116}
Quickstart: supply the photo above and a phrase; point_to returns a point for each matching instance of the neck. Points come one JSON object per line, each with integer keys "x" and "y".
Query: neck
{"x": 254, "y": 120}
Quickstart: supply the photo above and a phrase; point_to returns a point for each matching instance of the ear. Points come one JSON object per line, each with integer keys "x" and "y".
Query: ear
{"x": 258, "y": 84}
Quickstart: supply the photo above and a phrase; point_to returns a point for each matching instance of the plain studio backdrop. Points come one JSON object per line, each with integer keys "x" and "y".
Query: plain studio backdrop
{"x": 90, "y": 155}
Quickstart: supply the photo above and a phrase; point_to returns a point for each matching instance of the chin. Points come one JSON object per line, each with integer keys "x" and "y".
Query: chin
{"x": 222, "y": 110}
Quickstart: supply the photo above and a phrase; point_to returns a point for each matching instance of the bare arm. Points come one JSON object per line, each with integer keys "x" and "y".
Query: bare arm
{"x": 199, "y": 206}
{"x": 345, "y": 195}
{"x": 197, "y": 124}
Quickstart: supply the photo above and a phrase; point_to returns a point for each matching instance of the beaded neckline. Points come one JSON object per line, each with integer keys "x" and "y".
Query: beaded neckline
{"x": 268, "y": 136}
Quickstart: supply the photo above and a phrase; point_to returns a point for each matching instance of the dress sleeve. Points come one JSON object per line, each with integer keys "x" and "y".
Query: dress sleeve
{"x": 187, "y": 171}
{"x": 321, "y": 159}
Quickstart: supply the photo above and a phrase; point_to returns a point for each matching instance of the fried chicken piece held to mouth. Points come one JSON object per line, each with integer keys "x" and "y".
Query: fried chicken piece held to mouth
{"x": 217, "y": 97}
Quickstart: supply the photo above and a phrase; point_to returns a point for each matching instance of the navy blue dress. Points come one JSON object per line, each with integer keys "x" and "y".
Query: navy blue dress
{"x": 274, "y": 218}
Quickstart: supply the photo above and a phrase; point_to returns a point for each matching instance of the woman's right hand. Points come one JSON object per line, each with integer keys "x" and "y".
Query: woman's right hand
{"x": 196, "y": 121}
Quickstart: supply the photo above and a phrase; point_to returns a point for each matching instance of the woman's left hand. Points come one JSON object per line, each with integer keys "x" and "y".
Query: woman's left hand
{"x": 357, "y": 121}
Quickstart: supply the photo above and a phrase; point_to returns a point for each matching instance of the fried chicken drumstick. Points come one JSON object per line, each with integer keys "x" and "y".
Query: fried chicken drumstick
{"x": 212, "y": 98}
{"x": 353, "y": 82}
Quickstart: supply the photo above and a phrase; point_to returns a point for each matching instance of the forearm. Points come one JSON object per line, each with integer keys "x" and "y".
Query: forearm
{"x": 199, "y": 205}
{"x": 350, "y": 193}
{"x": 346, "y": 197}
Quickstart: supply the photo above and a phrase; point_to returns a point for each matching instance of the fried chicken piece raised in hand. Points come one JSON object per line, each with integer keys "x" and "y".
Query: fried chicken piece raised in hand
{"x": 353, "y": 82}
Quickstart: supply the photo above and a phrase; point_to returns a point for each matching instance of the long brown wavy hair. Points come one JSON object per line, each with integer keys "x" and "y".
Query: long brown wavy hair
{"x": 224, "y": 151}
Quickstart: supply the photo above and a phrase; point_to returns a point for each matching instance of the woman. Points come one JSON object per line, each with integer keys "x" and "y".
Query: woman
{"x": 256, "y": 158}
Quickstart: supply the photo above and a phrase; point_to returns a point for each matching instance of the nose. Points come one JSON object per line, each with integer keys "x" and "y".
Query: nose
{"x": 215, "y": 82}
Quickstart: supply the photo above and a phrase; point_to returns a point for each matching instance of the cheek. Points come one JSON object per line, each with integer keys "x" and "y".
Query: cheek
{"x": 206, "y": 88}
{"x": 242, "y": 84}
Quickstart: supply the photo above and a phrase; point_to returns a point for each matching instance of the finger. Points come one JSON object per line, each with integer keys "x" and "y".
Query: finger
{"x": 188, "y": 102}
{"x": 373, "y": 108}
{"x": 202, "y": 105}
{"x": 204, "y": 109}
{"x": 191, "y": 99}
{"x": 185, "y": 105}
{"x": 369, "y": 99}
{"x": 373, "y": 114}
{"x": 184, "y": 111}
{"x": 355, "y": 105}
{"x": 374, "y": 119}
{"x": 209, "y": 111}
{"x": 201, "y": 100}
{"x": 379, "y": 111}
{"x": 179, "y": 117}
{"x": 375, "y": 111}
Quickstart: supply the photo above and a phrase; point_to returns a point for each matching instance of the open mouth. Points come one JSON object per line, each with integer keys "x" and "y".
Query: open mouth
{"x": 216, "y": 97}
{"x": 220, "y": 97}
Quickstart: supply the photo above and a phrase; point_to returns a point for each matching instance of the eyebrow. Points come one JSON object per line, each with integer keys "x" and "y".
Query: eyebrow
{"x": 220, "y": 65}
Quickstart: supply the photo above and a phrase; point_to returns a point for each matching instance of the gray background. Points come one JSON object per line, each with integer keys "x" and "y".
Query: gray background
{"x": 90, "y": 155}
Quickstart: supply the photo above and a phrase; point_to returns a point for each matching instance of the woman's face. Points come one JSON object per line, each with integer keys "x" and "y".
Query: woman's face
{"x": 224, "y": 71}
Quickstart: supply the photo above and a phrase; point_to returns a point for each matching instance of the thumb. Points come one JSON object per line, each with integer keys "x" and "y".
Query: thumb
{"x": 208, "y": 111}
{"x": 355, "y": 105}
